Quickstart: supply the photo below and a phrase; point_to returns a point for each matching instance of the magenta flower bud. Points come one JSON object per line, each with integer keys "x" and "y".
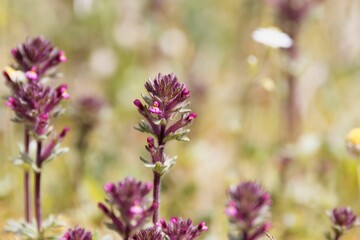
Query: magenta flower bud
{"x": 150, "y": 142}
{"x": 14, "y": 51}
{"x": 155, "y": 108}
{"x": 61, "y": 91}
{"x": 202, "y": 226}
{"x": 136, "y": 209}
{"x": 138, "y": 104}
{"x": 153, "y": 233}
{"x": 32, "y": 75}
{"x": 103, "y": 208}
{"x": 62, "y": 57}
{"x": 191, "y": 117}
{"x": 109, "y": 187}
{"x": 10, "y": 102}
{"x": 64, "y": 132}
{"x": 185, "y": 92}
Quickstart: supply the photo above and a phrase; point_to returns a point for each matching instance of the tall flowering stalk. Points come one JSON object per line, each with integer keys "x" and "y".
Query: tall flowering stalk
{"x": 34, "y": 105}
{"x": 127, "y": 205}
{"x": 248, "y": 210}
{"x": 291, "y": 15}
{"x": 343, "y": 219}
{"x": 166, "y": 118}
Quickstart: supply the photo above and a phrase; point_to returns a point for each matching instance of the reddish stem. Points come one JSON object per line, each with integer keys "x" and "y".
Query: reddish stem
{"x": 27, "y": 179}
{"x": 38, "y": 210}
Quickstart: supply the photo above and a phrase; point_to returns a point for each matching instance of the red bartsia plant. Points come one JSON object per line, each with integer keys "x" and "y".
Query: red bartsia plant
{"x": 35, "y": 104}
{"x": 77, "y": 234}
{"x": 178, "y": 228}
{"x": 128, "y": 206}
{"x": 167, "y": 117}
{"x": 343, "y": 219}
{"x": 248, "y": 210}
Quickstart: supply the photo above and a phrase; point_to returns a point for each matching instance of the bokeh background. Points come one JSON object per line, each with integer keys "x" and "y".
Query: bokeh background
{"x": 238, "y": 91}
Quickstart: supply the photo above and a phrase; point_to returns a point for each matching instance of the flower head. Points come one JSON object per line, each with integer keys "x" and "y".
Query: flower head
{"x": 248, "y": 208}
{"x": 153, "y": 233}
{"x": 77, "y": 234}
{"x": 178, "y": 228}
{"x": 129, "y": 206}
{"x": 343, "y": 218}
{"x": 36, "y": 56}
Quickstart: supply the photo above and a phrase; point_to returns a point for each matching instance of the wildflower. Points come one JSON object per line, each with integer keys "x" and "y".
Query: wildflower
{"x": 248, "y": 209}
{"x": 36, "y": 56}
{"x": 153, "y": 233}
{"x": 353, "y": 142}
{"x": 77, "y": 234}
{"x": 272, "y": 37}
{"x": 342, "y": 219}
{"x": 129, "y": 206}
{"x": 178, "y": 228}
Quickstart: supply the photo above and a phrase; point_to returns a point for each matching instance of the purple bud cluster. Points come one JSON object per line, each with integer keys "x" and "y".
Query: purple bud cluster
{"x": 248, "y": 209}
{"x": 178, "y": 228}
{"x": 36, "y": 57}
{"x": 153, "y": 233}
{"x": 167, "y": 98}
{"x": 128, "y": 205}
{"x": 342, "y": 219}
{"x": 77, "y": 234}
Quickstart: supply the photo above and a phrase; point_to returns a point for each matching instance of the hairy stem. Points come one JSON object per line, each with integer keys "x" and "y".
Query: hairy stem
{"x": 156, "y": 197}
{"x": 157, "y": 176}
{"x": 38, "y": 210}
{"x": 27, "y": 179}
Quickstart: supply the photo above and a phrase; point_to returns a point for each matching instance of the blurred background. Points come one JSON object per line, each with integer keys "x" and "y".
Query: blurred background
{"x": 238, "y": 90}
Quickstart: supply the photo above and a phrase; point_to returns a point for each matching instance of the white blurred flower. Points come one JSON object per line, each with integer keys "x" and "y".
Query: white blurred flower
{"x": 103, "y": 62}
{"x": 173, "y": 42}
{"x": 272, "y": 37}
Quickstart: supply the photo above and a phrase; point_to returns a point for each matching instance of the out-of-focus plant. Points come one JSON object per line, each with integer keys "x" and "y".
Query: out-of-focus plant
{"x": 248, "y": 211}
{"x": 182, "y": 229}
{"x": 35, "y": 104}
{"x": 343, "y": 219}
{"x": 290, "y": 16}
{"x": 86, "y": 116}
{"x": 77, "y": 234}
{"x": 128, "y": 207}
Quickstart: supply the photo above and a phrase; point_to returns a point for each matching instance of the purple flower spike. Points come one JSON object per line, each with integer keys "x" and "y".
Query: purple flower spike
{"x": 129, "y": 207}
{"x": 77, "y": 234}
{"x": 152, "y": 233}
{"x": 248, "y": 209}
{"x": 178, "y": 228}
{"x": 37, "y": 55}
{"x": 343, "y": 218}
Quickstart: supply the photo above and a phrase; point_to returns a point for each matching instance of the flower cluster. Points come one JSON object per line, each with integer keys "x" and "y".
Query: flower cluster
{"x": 153, "y": 233}
{"x": 129, "y": 207}
{"x": 167, "y": 116}
{"x": 342, "y": 219}
{"x": 248, "y": 209}
{"x": 77, "y": 234}
{"x": 86, "y": 112}
{"x": 178, "y": 228}
{"x": 36, "y": 57}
